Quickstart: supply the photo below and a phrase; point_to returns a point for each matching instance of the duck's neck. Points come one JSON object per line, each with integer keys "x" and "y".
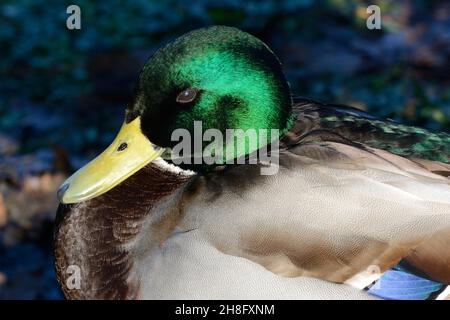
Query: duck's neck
{"x": 97, "y": 242}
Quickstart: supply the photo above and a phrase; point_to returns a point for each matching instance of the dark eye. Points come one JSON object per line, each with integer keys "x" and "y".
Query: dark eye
{"x": 187, "y": 95}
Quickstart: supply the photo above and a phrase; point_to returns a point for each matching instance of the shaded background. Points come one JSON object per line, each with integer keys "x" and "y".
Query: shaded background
{"x": 63, "y": 92}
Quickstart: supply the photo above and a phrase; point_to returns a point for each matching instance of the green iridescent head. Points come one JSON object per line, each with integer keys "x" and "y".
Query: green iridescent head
{"x": 221, "y": 76}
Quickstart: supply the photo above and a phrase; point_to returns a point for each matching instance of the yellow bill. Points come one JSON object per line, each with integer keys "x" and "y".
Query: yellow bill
{"x": 129, "y": 152}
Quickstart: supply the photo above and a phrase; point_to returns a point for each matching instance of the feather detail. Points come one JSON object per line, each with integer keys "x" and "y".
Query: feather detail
{"x": 101, "y": 236}
{"x": 400, "y": 284}
{"x": 357, "y": 126}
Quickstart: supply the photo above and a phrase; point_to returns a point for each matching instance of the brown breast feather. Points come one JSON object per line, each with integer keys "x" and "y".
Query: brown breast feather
{"x": 92, "y": 235}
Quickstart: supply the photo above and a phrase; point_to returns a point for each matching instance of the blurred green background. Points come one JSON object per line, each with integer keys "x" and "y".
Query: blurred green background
{"x": 62, "y": 92}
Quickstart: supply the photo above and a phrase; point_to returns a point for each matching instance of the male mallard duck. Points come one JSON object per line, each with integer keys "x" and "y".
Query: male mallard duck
{"x": 359, "y": 207}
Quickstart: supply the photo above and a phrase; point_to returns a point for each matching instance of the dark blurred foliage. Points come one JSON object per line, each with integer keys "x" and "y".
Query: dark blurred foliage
{"x": 62, "y": 92}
